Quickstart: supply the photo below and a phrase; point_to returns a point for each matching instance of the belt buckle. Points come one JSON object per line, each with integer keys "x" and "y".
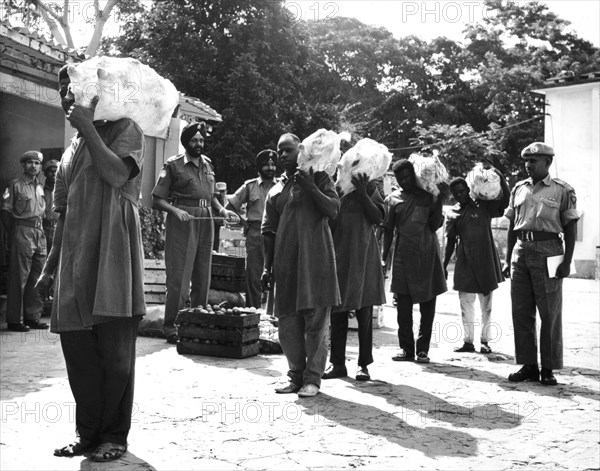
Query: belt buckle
{"x": 529, "y": 236}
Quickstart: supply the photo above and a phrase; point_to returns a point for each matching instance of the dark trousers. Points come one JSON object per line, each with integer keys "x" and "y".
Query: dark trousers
{"x": 339, "y": 334}
{"x": 101, "y": 369}
{"x": 27, "y": 258}
{"x": 405, "y": 324}
{"x": 530, "y": 287}
{"x": 254, "y": 266}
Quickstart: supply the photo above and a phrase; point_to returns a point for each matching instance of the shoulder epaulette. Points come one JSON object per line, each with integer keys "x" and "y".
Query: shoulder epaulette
{"x": 174, "y": 158}
{"x": 564, "y": 183}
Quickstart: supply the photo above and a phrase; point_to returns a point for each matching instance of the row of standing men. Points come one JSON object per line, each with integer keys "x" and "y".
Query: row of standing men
{"x": 96, "y": 262}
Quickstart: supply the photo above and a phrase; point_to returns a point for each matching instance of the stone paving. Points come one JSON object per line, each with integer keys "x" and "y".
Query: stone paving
{"x": 458, "y": 412}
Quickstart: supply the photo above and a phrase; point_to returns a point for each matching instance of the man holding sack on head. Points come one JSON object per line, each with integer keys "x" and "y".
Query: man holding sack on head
{"x": 185, "y": 190}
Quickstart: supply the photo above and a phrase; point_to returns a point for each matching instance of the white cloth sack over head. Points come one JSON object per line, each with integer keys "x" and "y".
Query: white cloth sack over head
{"x": 367, "y": 156}
{"x": 430, "y": 171}
{"x": 484, "y": 183}
{"x": 126, "y": 89}
{"x": 321, "y": 151}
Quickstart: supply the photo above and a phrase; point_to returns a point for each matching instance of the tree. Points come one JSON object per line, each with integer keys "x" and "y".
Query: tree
{"x": 56, "y": 20}
{"x": 250, "y": 60}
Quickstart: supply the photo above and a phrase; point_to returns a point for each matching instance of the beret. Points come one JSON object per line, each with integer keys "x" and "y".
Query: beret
{"x": 191, "y": 130}
{"x": 264, "y": 156}
{"x": 50, "y": 164}
{"x": 32, "y": 155}
{"x": 537, "y": 148}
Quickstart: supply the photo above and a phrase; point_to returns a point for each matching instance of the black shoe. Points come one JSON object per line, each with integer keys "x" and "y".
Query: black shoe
{"x": 548, "y": 378}
{"x": 335, "y": 371}
{"x": 363, "y": 374}
{"x": 467, "y": 347}
{"x": 485, "y": 348}
{"x": 527, "y": 373}
{"x": 18, "y": 327}
{"x": 403, "y": 356}
{"x": 36, "y": 325}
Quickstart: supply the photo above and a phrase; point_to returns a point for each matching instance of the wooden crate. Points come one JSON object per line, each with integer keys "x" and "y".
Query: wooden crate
{"x": 155, "y": 278}
{"x": 223, "y": 351}
{"x": 228, "y": 273}
{"x": 220, "y": 335}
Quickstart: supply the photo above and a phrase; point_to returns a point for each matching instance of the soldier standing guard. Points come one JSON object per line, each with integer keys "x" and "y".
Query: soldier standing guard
{"x": 540, "y": 209}
{"x": 254, "y": 193}
{"x": 23, "y": 207}
{"x": 186, "y": 191}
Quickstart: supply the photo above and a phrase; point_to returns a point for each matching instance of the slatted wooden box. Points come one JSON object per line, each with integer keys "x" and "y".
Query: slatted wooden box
{"x": 220, "y": 335}
{"x": 228, "y": 273}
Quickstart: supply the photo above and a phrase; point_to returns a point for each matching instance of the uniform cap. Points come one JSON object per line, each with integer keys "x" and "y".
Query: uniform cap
{"x": 32, "y": 155}
{"x": 221, "y": 186}
{"x": 50, "y": 164}
{"x": 537, "y": 148}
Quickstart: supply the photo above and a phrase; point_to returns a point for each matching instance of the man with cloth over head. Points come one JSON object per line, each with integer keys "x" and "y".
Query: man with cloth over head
{"x": 98, "y": 261}
{"x": 540, "y": 209}
{"x": 300, "y": 260}
{"x": 254, "y": 193}
{"x": 23, "y": 207}
{"x": 186, "y": 191}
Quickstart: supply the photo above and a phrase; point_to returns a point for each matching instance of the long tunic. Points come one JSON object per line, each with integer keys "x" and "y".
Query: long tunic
{"x": 304, "y": 261}
{"x": 478, "y": 268}
{"x": 417, "y": 266}
{"x": 358, "y": 258}
{"x": 100, "y": 271}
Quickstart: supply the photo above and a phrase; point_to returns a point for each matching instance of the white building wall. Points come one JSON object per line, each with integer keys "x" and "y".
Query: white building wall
{"x": 572, "y": 127}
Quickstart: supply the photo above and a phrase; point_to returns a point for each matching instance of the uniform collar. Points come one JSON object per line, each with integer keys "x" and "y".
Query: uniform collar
{"x": 271, "y": 181}
{"x": 28, "y": 180}
{"x": 546, "y": 180}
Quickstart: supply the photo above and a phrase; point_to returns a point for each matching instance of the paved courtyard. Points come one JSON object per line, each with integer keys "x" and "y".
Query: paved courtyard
{"x": 458, "y": 412}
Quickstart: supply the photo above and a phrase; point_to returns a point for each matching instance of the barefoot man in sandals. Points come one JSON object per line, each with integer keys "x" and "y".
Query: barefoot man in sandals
{"x": 97, "y": 260}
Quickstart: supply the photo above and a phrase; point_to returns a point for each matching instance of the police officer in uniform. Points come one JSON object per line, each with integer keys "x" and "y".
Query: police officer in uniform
{"x": 23, "y": 208}
{"x": 186, "y": 191}
{"x": 254, "y": 193}
{"x": 540, "y": 209}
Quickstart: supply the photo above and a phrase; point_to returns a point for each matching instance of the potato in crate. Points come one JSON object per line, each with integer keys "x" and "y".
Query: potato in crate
{"x": 214, "y": 331}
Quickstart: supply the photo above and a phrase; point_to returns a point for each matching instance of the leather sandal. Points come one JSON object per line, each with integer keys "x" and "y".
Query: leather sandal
{"x": 108, "y": 452}
{"x": 77, "y": 448}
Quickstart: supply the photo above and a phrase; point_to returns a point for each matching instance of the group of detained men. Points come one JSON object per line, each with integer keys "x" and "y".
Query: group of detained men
{"x": 321, "y": 259}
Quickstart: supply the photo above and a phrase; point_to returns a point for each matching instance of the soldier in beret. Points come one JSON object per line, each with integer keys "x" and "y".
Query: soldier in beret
{"x": 541, "y": 208}
{"x": 23, "y": 207}
{"x": 185, "y": 190}
{"x": 254, "y": 193}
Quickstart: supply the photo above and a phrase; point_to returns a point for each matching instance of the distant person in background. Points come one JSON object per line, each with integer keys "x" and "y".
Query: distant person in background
{"x": 221, "y": 194}
{"x": 185, "y": 190}
{"x": 23, "y": 208}
{"x": 417, "y": 273}
{"x": 254, "y": 194}
{"x": 300, "y": 261}
{"x": 360, "y": 274}
{"x": 50, "y": 217}
{"x": 540, "y": 209}
{"x": 478, "y": 269}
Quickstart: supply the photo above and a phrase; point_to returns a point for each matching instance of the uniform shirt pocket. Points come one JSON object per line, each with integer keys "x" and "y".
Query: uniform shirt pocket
{"x": 22, "y": 204}
{"x": 548, "y": 210}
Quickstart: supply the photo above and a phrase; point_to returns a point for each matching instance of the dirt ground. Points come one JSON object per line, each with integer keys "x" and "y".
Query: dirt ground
{"x": 458, "y": 412}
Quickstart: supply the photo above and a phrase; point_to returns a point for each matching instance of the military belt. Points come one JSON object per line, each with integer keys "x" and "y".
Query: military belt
{"x": 191, "y": 202}
{"x": 29, "y": 222}
{"x": 536, "y": 236}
